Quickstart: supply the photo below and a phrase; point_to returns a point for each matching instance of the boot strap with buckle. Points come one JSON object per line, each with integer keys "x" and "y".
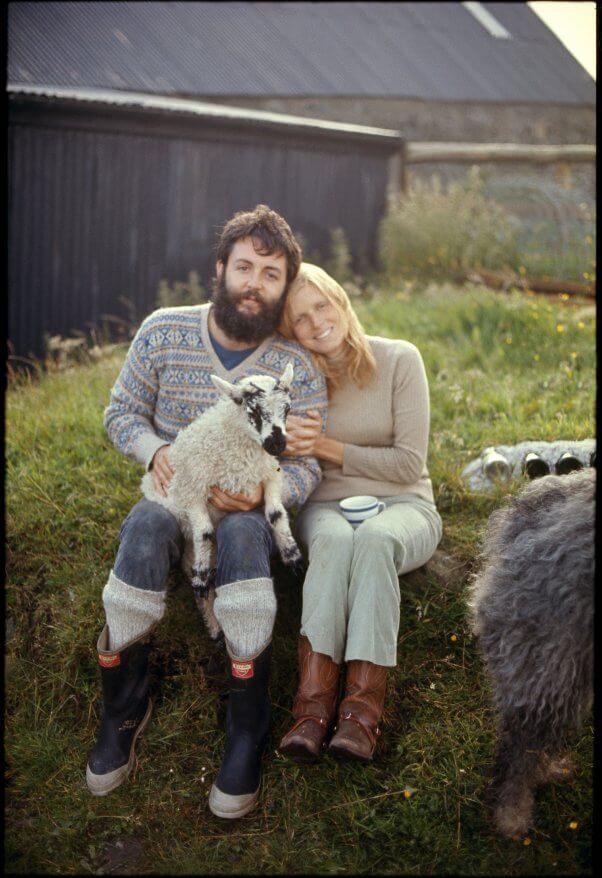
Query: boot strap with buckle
{"x": 372, "y": 731}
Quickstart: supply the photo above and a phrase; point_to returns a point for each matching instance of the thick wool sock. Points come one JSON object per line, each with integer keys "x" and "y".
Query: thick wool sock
{"x": 246, "y": 611}
{"x": 130, "y": 612}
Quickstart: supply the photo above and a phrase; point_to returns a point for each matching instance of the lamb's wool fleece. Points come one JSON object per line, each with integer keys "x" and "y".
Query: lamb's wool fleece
{"x": 212, "y": 450}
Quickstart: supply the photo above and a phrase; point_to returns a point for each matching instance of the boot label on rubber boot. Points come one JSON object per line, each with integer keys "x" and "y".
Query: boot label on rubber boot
{"x": 109, "y": 661}
{"x": 244, "y": 670}
{"x": 128, "y": 724}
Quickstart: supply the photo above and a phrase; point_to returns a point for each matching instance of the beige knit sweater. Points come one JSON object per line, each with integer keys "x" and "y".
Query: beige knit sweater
{"x": 384, "y": 427}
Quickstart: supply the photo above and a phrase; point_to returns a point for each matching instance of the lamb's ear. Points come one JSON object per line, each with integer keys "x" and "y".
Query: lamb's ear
{"x": 286, "y": 378}
{"x": 230, "y": 391}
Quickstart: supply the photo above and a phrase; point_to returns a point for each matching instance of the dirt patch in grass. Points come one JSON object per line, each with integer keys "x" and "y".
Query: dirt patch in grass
{"x": 122, "y": 853}
{"x": 450, "y": 571}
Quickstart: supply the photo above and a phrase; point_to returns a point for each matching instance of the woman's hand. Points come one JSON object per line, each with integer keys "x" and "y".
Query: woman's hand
{"x": 161, "y": 469}
{"x": 302, "y": 433}
{"x": 226, "y": 501}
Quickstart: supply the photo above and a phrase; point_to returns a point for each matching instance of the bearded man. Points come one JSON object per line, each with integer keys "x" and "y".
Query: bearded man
{"x": 164, "y": 384}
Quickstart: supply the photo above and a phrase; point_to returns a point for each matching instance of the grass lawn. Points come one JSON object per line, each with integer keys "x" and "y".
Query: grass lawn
{"x": 502, "y": 369}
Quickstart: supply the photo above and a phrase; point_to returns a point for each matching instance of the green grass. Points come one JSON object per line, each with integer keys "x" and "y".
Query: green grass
{"x": 418, "y": 809}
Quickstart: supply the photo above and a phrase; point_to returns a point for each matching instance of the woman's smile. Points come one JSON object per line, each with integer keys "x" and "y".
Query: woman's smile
{"x": 317, "y": 323}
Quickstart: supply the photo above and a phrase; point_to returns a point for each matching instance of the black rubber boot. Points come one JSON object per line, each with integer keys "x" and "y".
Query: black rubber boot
{"x": 236, "y": 787}
{"x": 127, "y": 710}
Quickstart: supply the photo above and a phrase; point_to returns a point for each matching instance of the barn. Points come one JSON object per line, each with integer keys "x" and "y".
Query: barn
{"x": 136, "y": 129}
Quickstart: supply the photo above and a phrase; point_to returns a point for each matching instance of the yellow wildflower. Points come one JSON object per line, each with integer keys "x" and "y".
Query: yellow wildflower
{"x": 574, "y": 354}
{"x": 573, "y": 824}
{"x": 454, "y": 637}
{"x": 581, "y": 325}
{"x": 407, "y": 793}
{"x": 526, "y": 841}
{"x": 560, "y": 327}
{"x": 536, "y": 357}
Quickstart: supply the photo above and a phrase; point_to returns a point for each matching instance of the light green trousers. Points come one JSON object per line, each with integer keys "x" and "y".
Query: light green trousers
{"x": 351, "y": 591}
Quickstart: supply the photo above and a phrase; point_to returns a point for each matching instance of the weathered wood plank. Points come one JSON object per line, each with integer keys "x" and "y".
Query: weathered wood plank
{"x": 417, "y": 152}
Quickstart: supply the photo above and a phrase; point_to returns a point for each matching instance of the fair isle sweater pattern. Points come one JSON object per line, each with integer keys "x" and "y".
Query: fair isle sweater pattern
{"x": 165, "y": 383}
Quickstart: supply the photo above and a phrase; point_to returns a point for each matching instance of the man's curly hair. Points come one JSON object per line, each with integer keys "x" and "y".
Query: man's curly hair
{"x": 267, "y": 227}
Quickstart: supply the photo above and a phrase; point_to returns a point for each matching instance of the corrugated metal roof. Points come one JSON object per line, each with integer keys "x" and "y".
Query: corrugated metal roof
{"x": 283, "y": 122}
{"x": 188, "y": 107}
{"x": 433, "y": 51}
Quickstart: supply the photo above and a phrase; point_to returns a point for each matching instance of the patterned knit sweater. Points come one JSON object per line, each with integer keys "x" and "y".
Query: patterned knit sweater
{"x": 164, "y": 384}
{"x": 384, "y": 428}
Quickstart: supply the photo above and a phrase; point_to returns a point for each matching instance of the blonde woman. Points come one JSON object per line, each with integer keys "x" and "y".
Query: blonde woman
{"x": 375, "y": 443}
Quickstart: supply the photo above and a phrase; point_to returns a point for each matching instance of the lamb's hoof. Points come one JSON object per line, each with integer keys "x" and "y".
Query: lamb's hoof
{"x": 201, "y": 593}
{"x": 200, "y": 586}
{"x": 291, "y": 555}
{"x": 297, "y": 569}
{"x": 293, "y": 560}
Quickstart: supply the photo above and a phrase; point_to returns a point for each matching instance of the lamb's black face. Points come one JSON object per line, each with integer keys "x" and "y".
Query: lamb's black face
{"x": 266, "y": 416}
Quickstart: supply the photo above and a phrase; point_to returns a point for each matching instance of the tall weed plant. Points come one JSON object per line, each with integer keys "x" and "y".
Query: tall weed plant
{"x": 340, "y": 264}
{"x": 436, "y": 233}
{"x": 190, "y": 292}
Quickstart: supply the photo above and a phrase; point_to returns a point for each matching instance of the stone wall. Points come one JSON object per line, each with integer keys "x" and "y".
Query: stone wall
{"x": 442, "y": 120}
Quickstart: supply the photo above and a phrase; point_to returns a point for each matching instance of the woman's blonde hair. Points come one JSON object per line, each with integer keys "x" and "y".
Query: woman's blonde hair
{"x": 359, "y": 362}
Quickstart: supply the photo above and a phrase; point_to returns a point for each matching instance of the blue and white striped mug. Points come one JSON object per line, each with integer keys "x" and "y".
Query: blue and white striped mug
{"x": 358, "y": 509}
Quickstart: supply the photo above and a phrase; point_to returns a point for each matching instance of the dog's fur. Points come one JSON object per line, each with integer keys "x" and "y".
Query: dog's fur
{"x": 532, "y": 609}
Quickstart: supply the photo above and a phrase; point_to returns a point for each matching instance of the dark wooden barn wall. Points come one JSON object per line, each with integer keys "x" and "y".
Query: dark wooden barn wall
{"x": 98, "y": 212}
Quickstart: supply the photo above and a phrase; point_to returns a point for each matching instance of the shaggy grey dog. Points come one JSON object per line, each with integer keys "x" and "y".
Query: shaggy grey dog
{"x": 532, "y": 607}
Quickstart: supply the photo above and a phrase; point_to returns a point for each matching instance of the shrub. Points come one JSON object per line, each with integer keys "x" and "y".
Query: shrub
{"x": 339, "y": 264}
{"x": 181, "y": 293}
{"x": 431, "y": 233}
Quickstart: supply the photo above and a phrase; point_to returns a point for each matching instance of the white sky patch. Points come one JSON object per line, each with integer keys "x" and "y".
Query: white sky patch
{"x": 574, "y": 24}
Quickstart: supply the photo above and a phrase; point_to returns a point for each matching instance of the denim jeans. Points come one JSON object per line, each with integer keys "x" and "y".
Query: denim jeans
{"x": 151, "y": 544}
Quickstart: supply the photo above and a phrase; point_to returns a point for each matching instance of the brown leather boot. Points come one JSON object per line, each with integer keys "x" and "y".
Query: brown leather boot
{"x": 360, "y": 711}
{"x": 314, "y": 706}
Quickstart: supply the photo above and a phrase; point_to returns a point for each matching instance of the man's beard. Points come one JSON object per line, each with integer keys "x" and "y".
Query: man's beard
{"x": 253, "y": 328}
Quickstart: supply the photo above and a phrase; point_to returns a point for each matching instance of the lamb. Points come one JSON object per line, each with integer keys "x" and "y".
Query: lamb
{"x": 532, "y": 607}
{"x": 233, "y": 445}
